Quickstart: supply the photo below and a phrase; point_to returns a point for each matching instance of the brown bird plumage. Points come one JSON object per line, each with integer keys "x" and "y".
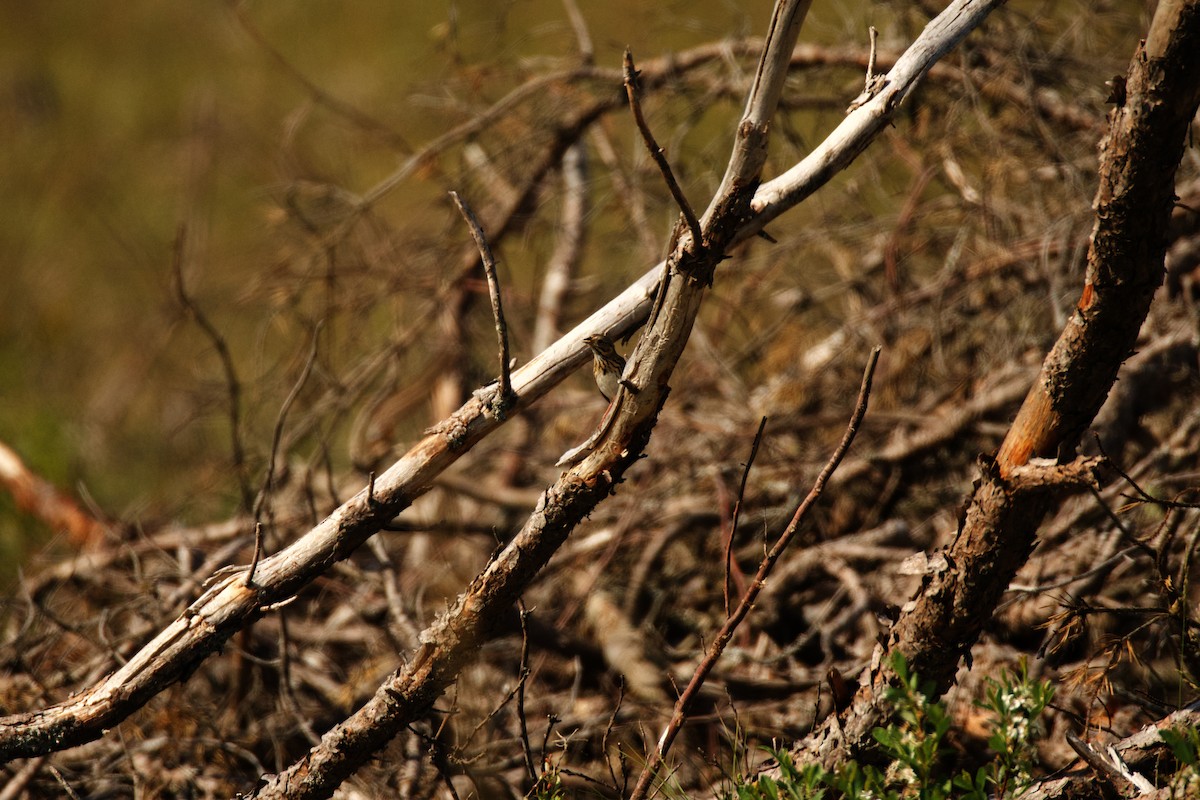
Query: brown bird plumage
{"x": 607, "y": 364}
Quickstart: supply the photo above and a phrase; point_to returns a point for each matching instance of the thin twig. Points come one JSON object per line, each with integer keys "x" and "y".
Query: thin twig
{"x": 233, "y": 386}
{"x": 322, "y": 97}
{"x": 551, "y": 721}
{"x": 608, "y": 729}
{"x": 258, "y": 549}
{"x": 526, "y": 749}
{"x": 489, "y": 268}
{"x": 737, "y": 509}
{"x": 683, "y": 704}
{"x": 35, "y": 495}
{"x": 656, "y": 152}
{"x": 874, "y": 34}
{"x": 62, "y": 782}
{"x": 873, "y": 82}
{"x": 1146, "y": 496}
{"x": 276, "y": 437}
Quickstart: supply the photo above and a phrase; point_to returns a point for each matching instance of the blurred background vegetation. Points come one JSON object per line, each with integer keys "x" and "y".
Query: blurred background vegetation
{"x": 120, "y": 124}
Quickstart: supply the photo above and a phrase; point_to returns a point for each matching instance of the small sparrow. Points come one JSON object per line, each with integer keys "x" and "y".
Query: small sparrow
{"x": 607, "y": 364}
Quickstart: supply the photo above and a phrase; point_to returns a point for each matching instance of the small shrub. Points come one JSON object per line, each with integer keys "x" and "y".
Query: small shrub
{"x": 914, "y": 743}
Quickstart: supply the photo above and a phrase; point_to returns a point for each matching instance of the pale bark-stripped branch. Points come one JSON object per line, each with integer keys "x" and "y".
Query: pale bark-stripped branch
{"x": 859, "y": 127}
{"x": 1139, "y": 752}
{"x": 227, "y": 606}
{"x": 568, "y": 247}
{"x": 19, "y": 782}
{"x": 454, "y": 637}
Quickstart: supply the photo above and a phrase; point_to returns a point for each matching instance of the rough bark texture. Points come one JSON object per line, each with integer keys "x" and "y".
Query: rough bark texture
{"x": 1139, "y": 157}
{"x": 1125, "y": 261}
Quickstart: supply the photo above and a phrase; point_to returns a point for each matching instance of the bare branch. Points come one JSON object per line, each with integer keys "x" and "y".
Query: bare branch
{"x": 568, "y": 248}
{"x": 1125, "y": 266}
{"x": 335, "y": 104}
{"x": 489, "y": 268}
{"x": 263, "y": 503}
{"x": 454, "y": 637}
{"x": 587, "y": 52}
{"x": 656, "y": 152}
{"x": 873, "y": 82}
{"x": 233, "y": 386}
{"x": 846, "y": 141}
{"x": 725, "y": 635}
{"x": 737, "y": 511}
{"x": 227, "y": 606}
{"x": 750, "y": 148}
{"x": 35, "y": 495}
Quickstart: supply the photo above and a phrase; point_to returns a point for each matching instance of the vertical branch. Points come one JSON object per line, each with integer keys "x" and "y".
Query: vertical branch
{"x": 568, "y": 248}
{"x": 489, "y": 268}
{"x": 233, "y": 386}
{"x": 526, "y": 750}
{"x": 263, "y": 501}
{"x": 750, "y": 148}
{"x": 1125, "y": 260}
{"x": 997, "y": 530}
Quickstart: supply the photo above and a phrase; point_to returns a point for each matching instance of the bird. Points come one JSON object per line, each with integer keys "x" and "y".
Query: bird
{"x": 607, "y": 364}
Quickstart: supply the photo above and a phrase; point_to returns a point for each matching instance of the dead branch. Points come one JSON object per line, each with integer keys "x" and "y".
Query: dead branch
{"x": 725, "y": 635}
{"x": 849, "y": 138}
{"x": 489, "y": 268}
{"x": 656, "y": 152}
{"x": 1139, "y": 753}
{"x": 568, "y": 247}
{"x": 737, "y": 513}
{"x": 227, "y": 606}
{"x": 232, "y": 384}
{"x": 1125, "y": 266}
{"x": 35, "y": 495}
{"x": 454, "y": 637}
{"x": 263, "y": 502}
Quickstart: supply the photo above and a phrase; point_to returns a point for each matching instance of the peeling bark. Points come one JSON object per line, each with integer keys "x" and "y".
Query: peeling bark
{"x": 1133, "y": 205}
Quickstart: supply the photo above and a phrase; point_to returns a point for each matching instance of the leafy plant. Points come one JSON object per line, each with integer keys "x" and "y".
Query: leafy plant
{"x": 806, "y": 783}
{"x": 1016, "y": 704}
{"x": 914, "y": 744}
{"x": 1185, "y": 744}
